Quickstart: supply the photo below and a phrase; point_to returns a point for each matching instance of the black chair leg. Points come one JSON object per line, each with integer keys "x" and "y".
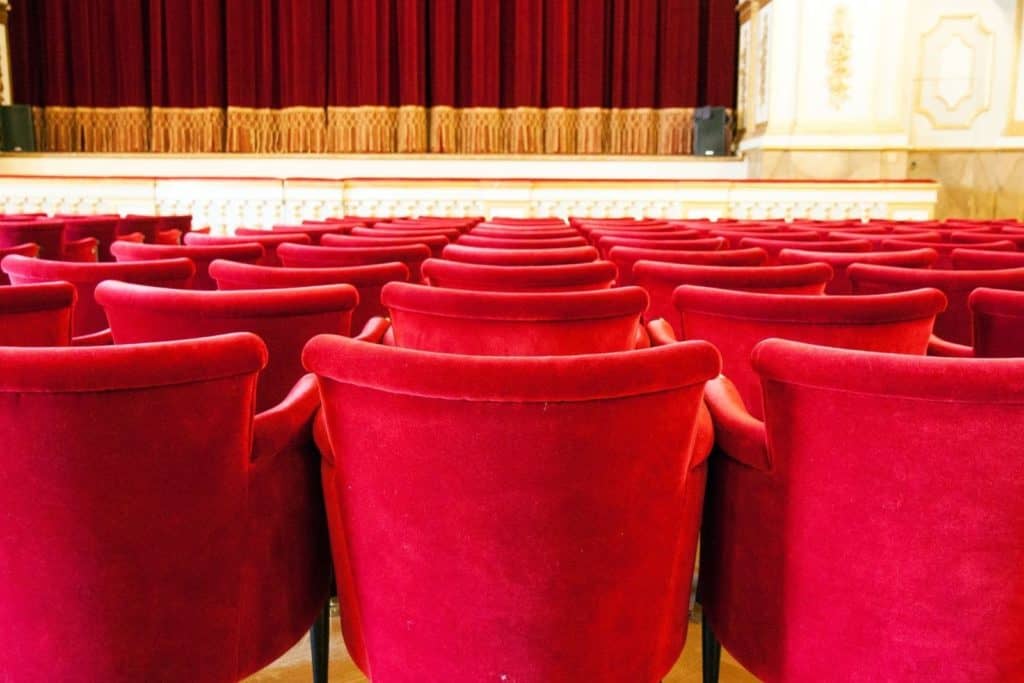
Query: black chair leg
{"x": 711, "y": 650}
{"x": 320, "y": 643}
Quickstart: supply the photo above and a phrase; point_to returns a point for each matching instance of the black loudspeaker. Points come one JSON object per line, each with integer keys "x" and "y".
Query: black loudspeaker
{"x": 711, "y": 131}
{"x": 16, "y": 131}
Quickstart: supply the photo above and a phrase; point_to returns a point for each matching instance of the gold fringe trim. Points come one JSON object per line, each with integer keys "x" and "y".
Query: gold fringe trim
{"x": 180, "y": 130}
{"x": 114, "y": 129}
{"x": 561, "y": 128}
{"x": 480, "y": 130}
{"x": 408, "y": 129}
{"x": 362, "y": 129}
{"x": 412, "y": 130}
{"x": 675, "y": 131}
{"x": 254, "y": 131}
{"x": 444, "y": 129}
{"x": 524, "y": 130}
{"x": 632, "y": 131}
{"x": 302, "y": 130}
{"x": 592, "y": 130}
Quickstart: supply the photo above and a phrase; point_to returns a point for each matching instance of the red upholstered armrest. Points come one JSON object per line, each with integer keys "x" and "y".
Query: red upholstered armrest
{"x": 101, "y": 338}
{"x": 374, "y": 330}
{"x": 274, "y": 429}
{"x": 85, "y": 249}
{"x": 643, "y": 339}
{"x": 738, "y": 434}
{"x": 660, "y": 332}
{"x": 938, "y": 346}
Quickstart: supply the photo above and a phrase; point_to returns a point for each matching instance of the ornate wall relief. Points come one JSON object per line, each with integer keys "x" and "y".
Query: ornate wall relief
{"x": 955, "y": 79}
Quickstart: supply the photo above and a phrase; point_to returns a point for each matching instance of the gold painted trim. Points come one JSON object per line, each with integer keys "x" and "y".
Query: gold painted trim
{"x": 1015, "y": 126}
{"x": 986, "y": 106}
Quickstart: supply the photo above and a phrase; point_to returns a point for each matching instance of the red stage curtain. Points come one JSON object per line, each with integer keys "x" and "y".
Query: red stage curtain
{"x": 470, "y": 76}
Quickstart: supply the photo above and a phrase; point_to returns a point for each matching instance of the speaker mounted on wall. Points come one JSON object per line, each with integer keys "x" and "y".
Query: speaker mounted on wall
{"x": 16, "y": 131}
{"x": 712, "y": 135}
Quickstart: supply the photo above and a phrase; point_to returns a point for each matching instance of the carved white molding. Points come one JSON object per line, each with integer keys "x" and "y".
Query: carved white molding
{"x": 956, "y": 61}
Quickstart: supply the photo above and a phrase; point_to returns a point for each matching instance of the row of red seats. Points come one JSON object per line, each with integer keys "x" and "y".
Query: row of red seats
{"x": 647, "y": 402}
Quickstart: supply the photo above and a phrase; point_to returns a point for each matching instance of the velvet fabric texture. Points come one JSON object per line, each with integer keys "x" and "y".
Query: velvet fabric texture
{"x": 673, "y": 241}
{"x": 147, "y": 225}
{"x": 858, "y": 556}
{"x": 625, "y": 257}
{"x": 37, "y": 314}
{"x": 840, "y": 262}
{"x": 555, "y": 278}
{"x": 89, "y": 316}
{"x": 436, "y": 243}
{"x": 773, "y": 246}
{"x": 303, "y": 256}
{"x": 313, "y": 232}
{"x": 285, "y": 319}
{"x": 736, "y": 236}
{"x": 735, "y": 321}
{"x": 514, "y": 323}
{"x": 955, "y": 324}
{"x": 269, "y": 242}
{"x": 509, "y": 604}
{"x": 945, "y": 249}
{"x": 200, "y": 255}
{"x": 407, "y": 231}
{"x": 998, "y": 323}
{"x": 28, "y": 250}
{"x": 368, "y": 281}
{"x": 506, "y": 232}
{"x": 102, "y": 228}
{"x": 983, "y": 259}
{"x": 138, "y": 486}
{"x": 519, "y": 257}
{"x": 181, "y": 222}
{"x": 878, "y": 236}
{"x": 472, "y": 239}
{"x": 47, "y": 235}
{"x": 660, "y": 280}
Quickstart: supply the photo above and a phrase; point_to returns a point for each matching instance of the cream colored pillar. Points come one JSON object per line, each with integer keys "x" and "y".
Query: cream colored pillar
{"x": 893, "y": 89}
{"x": 6, "y": 89}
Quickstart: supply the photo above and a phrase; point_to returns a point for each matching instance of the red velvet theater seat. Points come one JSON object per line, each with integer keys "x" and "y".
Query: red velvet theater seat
{"x": 28, "y": 250}
{"x": 998, "y": 323}
{"x": 773, "y": 246}
{"x": 515, "y": 323}
{"x": 473, "y": 240}
{"x": 955, "y": 324}
{"x": 46, "y": 234}
{"x": 625, "y": 257}
{"x": 314, "y": 232}
{"x": 36, "y": 315}
{"x": 368, "y": 281}
{"x": 736, "y": 236}
{"x": 302, "y": 256}
{"x": 857, "y": 547}
{"x": 670, "y": 241}
{"x": 450, "y": 232}
{"x": 436, "y": 243}
{"x": 517, "y": 221}
{"x": 840, "y": 262}
{"x": 567, "y": 277}
{"x": 660, "y": 280}
{"x": 983, "y": 259}
{"x": 528, "y": 537}
{"x": 945, "y": 249}
{"x": 102, "y": 228}
{"x": 181, "y": 222}
{"x": 284, "y": 318}
{"x": 269, "y": 241}
{"x": 147, "y": 225}
{"x": 505, "y": 232}
{"x": 200, "y": 255}
{"x": 736, "y": 321}
{"x": 185, "y": 538}
{"x": 877, "y": 237}
{"x": 89, "y": 316}
{"x": 519, "y": 257}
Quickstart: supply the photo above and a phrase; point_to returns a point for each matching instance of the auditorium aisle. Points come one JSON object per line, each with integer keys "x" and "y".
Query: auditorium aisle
{"x": 294, "y": 666}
